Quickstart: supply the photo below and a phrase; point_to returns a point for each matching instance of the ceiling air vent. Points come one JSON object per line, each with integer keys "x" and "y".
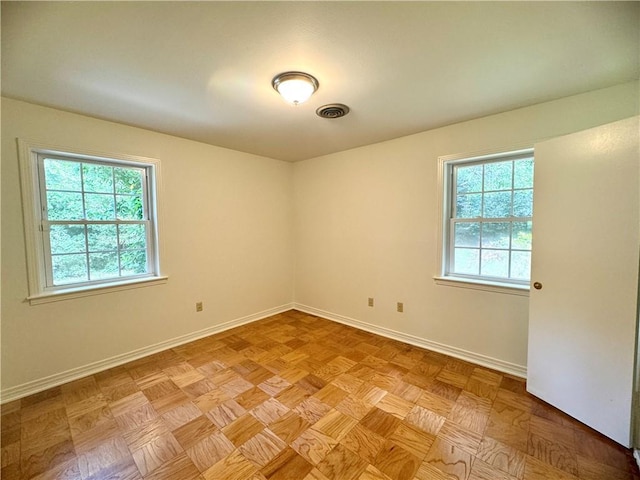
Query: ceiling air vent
{"x": 333, "y": 110}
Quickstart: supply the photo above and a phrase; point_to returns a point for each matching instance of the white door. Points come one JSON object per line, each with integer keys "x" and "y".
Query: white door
{"x": 582, "y": 322}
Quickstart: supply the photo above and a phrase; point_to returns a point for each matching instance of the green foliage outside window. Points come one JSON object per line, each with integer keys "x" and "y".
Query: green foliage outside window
{"x": 493, "y": 207}
{"x": 109, "y": 236}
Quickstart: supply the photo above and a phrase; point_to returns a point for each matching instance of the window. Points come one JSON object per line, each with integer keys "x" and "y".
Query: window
{"x": 91, "y": 221}
{"x": 488, "y": 214}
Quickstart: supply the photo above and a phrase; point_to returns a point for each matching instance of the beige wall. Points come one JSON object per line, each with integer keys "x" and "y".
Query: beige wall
{"x": 363, "y": 223}
{"x": 366, "y": 221}
{"x": 226, "y": 240}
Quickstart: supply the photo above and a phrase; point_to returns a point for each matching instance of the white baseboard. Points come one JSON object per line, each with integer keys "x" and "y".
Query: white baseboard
{"x": 478, "y": 359}
{"x": 35, "y": 386}
{"x": 636, "y": 456}
{"x": 39, "y": 385}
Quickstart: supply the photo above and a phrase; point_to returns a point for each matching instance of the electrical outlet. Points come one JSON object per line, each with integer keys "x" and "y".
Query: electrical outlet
{"x": 400, "y": 307}
{"x": 199, "y": 306}
{"x": 370, "y": 303}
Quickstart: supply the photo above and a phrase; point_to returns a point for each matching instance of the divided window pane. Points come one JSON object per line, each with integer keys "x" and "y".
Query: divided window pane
{"x": 491, "y": 218}
{"x": 97, "y": 218}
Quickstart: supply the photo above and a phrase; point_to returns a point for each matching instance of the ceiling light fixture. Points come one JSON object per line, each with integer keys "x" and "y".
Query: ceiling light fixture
{"x": 295, "y": 87}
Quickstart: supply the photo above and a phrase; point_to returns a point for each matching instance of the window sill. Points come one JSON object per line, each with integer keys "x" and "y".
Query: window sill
{"x": 69, "y": 293}
{"x": 496, "y": 287}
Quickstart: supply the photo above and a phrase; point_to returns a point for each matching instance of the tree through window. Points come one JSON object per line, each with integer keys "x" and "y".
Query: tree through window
{"x": 490, "y": 212}
{"x": 93, "y": 220}
{"x": 97, "y": 221}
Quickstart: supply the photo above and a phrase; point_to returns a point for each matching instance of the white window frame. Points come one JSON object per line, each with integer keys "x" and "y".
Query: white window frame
{"x": 41, "y": 290}
{"x": 445, "y": 186}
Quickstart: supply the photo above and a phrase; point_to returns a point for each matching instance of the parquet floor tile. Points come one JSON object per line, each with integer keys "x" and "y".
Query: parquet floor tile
{"x": 372, "y": 473}
{"x": 181, "y": 415}
{"x": 363, "y": 442}
{"x": 287, "y": 464}
{"x": 225, "y": 413}
{"x": 331, "y": 395}
{"x": 429, "y": 472}
{"x": 155, "y": 453}
{"x": 341, "y": 464}
{"x": 380, "y": 422}
{"x": 483, "y": 471}
{"x": 312, "y": 409}
{"x": 289, "y": 426}
{"x": 502, "y": 457}
{"x": 407, "y": 391}
{"x": 396, "y": 462}
{"x": 313, "y": 445}
{"x": 103, "y": 456}
{"x": 262, "y": 448}
{"x": 425, "y": 419}
{"x": 450, "y": 459}
{"x": 461, "y": 437}
{"x": 269, "y": 411}
{"x": 297, "y": 397}
{"x": 335, "y": 424}
{"x": 192, "y": 432}
{"x": 513, "y": 436}
{"x": 209, "y": 451}
{"x": 395, "y": 405}
{"x": 242, "y": 429}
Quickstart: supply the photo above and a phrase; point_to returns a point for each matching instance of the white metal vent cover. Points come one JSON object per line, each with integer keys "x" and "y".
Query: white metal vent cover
{"x": 332, "y": 110}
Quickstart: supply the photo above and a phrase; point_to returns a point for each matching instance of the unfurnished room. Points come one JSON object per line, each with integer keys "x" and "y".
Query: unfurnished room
{"x": 320, "y": 240}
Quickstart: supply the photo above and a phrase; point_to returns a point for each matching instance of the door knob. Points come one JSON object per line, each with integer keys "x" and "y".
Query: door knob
{"x": 537, "y": 285}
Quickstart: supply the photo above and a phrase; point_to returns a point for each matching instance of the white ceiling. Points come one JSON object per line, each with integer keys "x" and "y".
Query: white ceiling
{"x": 203, "y": 70}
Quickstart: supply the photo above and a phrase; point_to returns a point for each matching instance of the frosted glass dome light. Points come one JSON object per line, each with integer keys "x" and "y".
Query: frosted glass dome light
{"x": 295, "y": 87}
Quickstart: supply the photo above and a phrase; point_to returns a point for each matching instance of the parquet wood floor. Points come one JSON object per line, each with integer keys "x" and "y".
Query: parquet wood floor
{"x": 296, "y": 397}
